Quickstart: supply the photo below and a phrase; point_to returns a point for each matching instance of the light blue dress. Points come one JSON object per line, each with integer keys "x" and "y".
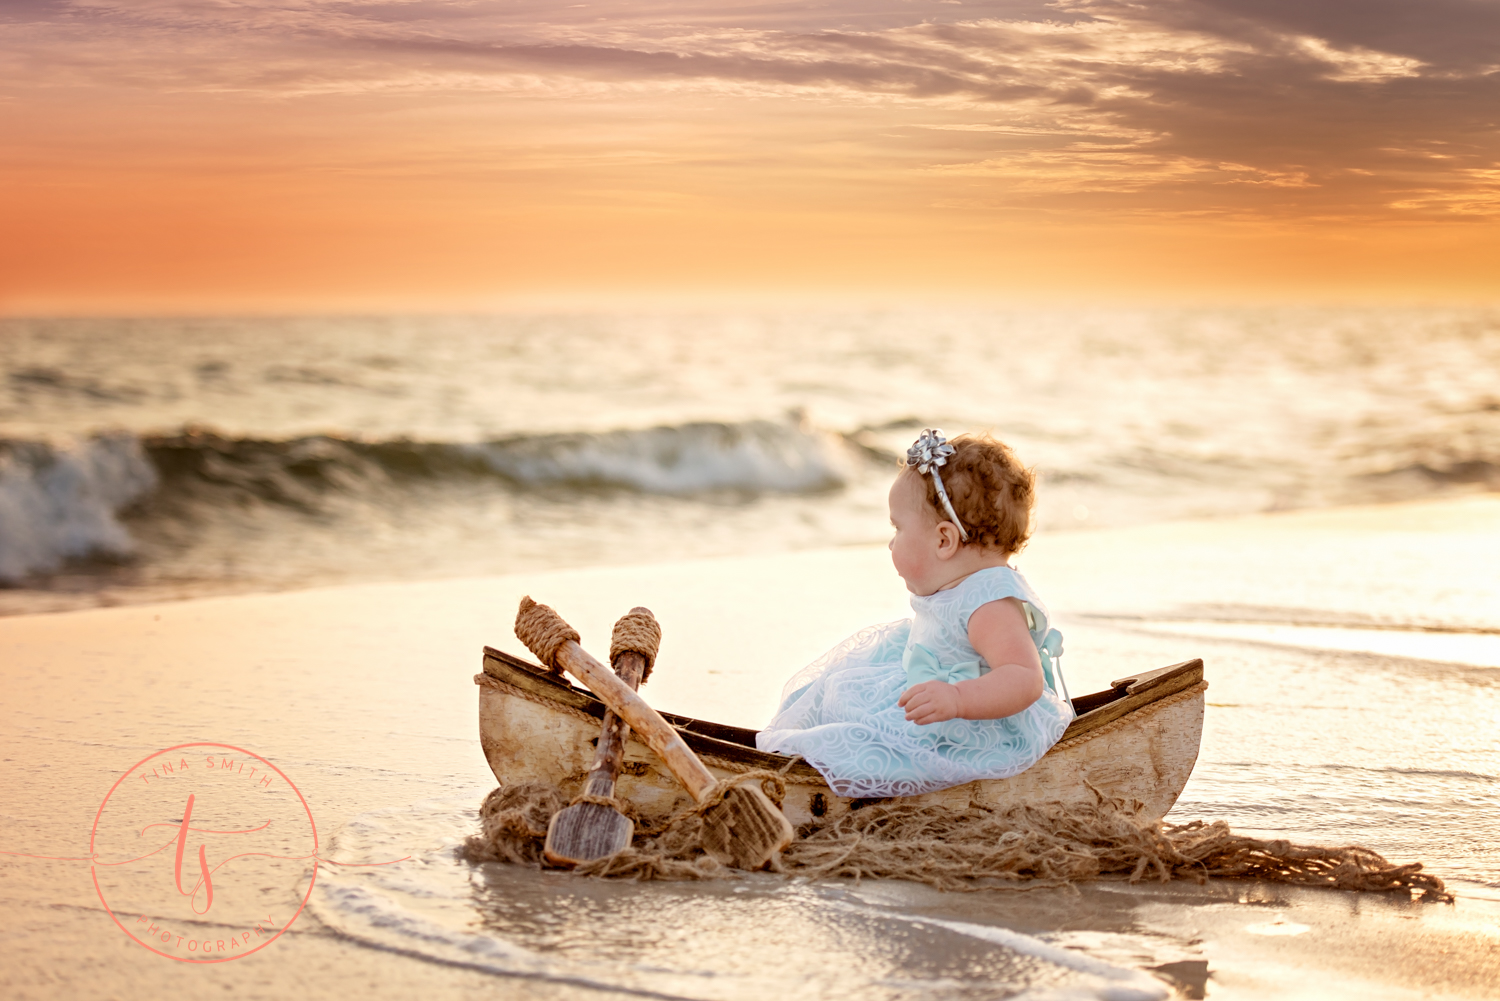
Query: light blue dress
{"x": 840, "y": 712}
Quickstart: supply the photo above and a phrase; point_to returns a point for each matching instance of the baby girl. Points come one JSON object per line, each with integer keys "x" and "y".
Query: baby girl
{"x": 969, "y": 688}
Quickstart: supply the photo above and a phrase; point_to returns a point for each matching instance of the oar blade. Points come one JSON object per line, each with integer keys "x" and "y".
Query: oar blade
{"x": 745, "y": 830}
{"x": 586, "y": 831}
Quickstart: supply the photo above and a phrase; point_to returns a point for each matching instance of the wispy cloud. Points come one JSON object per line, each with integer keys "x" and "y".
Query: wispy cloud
{"x": 1271, "y": 93}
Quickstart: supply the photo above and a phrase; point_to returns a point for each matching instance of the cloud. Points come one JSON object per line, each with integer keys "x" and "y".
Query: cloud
{"x": 1369, "y": 109}
{"x": 1457, "y": 35}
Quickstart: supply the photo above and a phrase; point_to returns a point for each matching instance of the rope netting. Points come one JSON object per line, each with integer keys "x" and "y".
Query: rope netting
{"x": 975, "y": 848}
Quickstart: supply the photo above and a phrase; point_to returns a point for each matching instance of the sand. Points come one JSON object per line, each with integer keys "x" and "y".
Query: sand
{"x": 363, "y": 696}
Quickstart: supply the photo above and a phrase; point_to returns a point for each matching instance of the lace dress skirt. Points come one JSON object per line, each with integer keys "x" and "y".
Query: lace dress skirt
{"x": 840, "y": 714}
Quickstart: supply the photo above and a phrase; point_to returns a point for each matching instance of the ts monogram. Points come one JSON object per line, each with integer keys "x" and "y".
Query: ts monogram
{"x": 230, "y": 870}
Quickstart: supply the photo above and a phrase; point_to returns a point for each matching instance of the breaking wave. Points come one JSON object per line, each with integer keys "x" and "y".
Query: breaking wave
{"x": 752, "y": 457}
{"x": 61, "y": 502}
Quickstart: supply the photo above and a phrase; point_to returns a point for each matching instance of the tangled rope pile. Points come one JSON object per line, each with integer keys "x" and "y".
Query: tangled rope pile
{"x": 969, "y": 849}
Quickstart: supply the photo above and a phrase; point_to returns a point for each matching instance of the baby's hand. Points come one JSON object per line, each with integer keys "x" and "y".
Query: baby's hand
{"x": 930, "y": 702}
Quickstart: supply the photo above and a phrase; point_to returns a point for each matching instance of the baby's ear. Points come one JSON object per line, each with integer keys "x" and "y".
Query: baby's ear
{"x": 949, "y": 541}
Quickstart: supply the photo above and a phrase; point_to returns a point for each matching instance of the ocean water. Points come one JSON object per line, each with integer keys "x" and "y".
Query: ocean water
{"x": 142, "y": 459}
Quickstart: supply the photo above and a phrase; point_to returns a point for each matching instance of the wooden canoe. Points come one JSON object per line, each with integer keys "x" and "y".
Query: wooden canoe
{"x": 1136, "y": 741}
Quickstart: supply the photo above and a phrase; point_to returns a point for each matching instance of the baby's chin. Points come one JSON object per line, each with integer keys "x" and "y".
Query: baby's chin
{"x": 920, "y": 589}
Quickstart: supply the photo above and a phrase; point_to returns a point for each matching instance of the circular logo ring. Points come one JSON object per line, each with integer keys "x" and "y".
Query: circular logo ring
{"x": 94, "y": 834}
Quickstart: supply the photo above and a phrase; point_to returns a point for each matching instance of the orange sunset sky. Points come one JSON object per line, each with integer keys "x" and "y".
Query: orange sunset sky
{"x": 234, "y": 155}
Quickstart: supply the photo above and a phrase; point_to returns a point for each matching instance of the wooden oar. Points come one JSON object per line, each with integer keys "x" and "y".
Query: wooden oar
{"x": 588, "y": 830}
{"x": 744, "y": 829}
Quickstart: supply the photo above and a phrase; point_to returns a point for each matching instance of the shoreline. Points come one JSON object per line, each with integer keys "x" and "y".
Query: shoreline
{"x": 73, "y": 593}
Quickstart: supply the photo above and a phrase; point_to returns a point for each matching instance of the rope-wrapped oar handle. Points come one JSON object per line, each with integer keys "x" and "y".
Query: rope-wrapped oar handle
{"x": 636, "y": 632}
{"x": 744, "y": 827}
{"x": 544, "y": 632}
{"x": 555, "y": 644}
{"x": 597, "y": 824}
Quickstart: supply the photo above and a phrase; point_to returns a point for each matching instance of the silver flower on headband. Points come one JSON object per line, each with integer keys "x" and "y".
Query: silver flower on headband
{"x": 927, "y": 453}
{"x": 931, "y": 449}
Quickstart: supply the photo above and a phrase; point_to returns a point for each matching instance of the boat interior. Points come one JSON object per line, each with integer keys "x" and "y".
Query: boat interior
{"x": 1094, "y": 710}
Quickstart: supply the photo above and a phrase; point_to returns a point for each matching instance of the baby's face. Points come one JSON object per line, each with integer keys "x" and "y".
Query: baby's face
{"x": 914, "y": 547}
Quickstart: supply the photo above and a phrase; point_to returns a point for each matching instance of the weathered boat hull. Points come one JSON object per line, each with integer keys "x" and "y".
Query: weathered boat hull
{"x": 1138, "y": 742}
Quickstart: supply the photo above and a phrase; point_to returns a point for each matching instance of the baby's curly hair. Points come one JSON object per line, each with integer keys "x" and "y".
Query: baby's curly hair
{"x": 991, "y": 491}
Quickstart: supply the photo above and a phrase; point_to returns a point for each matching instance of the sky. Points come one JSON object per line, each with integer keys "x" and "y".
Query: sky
{"x": 283, "y": 155}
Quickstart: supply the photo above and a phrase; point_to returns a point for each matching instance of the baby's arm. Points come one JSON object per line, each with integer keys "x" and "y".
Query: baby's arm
{"x": 997, "y": 630}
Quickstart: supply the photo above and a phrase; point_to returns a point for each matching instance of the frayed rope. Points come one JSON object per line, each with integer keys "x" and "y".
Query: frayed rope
{"x": 975, "y": 848}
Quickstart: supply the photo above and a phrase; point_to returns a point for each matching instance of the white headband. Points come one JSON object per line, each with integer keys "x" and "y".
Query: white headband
{"x": 929, "y": 452}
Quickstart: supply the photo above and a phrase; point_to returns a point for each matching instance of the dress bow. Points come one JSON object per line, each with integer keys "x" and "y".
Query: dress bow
{"x": 1050, "y": 649}
{"x": 922, "y": 665}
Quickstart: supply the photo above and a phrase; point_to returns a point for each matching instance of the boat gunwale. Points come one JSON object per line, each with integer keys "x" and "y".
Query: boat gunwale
{"x": 736, "y": 744}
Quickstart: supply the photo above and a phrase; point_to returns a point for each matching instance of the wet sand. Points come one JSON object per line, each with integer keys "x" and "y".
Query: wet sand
{"x": 363, "y": 697}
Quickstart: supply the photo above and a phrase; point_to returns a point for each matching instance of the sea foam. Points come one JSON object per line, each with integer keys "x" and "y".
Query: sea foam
{"x": 60, "y": 501}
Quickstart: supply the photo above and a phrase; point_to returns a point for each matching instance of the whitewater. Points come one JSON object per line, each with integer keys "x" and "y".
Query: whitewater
{"x": 143, "y": 459}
